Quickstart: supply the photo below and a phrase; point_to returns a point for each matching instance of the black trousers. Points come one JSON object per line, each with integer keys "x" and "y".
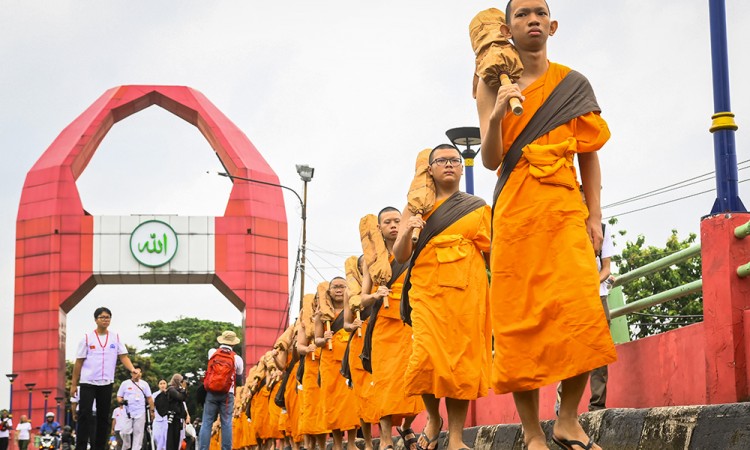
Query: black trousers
{"x": 173, "y": 433}
{"x": 86, "y": 419}
{"x": 4, "y": 443}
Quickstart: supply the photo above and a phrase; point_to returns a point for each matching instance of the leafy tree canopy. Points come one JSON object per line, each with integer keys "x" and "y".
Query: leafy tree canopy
{"x": 670, "y": 315}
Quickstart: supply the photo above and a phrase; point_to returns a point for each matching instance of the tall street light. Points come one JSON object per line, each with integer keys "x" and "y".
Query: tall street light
{"x": 11, "y": 377}
{"x": 306, "y": 173}
{"x": 30, "y": 387}
{"x": 46, "y": 394}
{"x": 466, "y": 137}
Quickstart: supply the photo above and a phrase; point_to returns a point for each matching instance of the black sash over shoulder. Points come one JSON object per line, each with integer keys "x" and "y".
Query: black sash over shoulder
{"x": 366, "y": 356}
{"x": 454, "y": 208}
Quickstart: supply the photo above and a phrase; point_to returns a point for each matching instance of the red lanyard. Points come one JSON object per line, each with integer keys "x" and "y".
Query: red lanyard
{"x": 100, "y": 341}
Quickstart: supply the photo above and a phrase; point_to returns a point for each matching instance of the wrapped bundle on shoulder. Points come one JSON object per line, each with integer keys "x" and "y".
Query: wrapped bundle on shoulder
{"x": 307, "y": 316}
{"x": 325, "y": 303}
{"x": 353, "y": 283}
{"x": 325, "y": 307}
{"x": 354, "y": 286}
{"x": 375, "y": 251}
{"x": 497, "y": 61}
{"x": 421, "y": 196}
{"x": 284, "y": 342}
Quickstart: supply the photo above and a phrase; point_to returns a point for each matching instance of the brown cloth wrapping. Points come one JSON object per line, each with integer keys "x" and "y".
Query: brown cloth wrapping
{"x": 421, "y": 196}
{"x": 284, "y": 342}
{"x": 307, "y": 316}
{"x": 375, "y": 251}
{"x": 495, "y": 55}
{"x": 325, "y": 303}
{"x": 353, "y": 283}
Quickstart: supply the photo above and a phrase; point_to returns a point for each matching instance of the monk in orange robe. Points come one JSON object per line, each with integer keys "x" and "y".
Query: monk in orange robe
{"x": 361, "y": 380}
{"x": 391, "y": 341}
{"x": 312, "y": 420}
{"x": 548, "y": 320}
{"x": 273, "y": 384}
{"x": 447, "y": 291}
{"x": 339, "y": 414}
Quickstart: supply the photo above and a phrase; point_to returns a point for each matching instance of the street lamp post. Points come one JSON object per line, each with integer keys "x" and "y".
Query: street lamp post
{"x": 46, "y": 394}
{"x": 59, "y": 400}
{"x": 30, "y": 387}
{"x": 11, "y": 377}
{"x": 466, "y": 137}
{"x": 306, "y": 173}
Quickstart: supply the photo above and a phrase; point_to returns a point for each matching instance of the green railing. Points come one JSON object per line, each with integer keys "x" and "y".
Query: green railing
{"x": 618, "y": 308}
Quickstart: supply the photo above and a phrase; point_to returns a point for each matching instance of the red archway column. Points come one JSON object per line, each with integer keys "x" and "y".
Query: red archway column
{"x": 54, "y": 236}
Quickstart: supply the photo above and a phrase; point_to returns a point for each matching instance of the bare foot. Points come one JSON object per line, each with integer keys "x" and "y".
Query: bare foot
{"x": 536, "y": 443}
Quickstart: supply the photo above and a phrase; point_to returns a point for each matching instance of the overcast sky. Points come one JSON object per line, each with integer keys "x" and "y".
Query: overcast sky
{"x": 355, "y": 89}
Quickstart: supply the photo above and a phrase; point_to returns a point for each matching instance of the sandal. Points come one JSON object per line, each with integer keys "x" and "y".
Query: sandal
{"x": 568, "y": 444}
{"x": 430, "y": 441}
{"x": 408, "y": 441}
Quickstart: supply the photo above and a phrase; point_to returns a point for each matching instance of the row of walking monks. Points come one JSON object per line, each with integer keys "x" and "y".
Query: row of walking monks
{"x": 339, "y": 368}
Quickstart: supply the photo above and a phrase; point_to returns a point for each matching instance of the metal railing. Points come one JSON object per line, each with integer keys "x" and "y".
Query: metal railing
{"x": 740, "y": 232}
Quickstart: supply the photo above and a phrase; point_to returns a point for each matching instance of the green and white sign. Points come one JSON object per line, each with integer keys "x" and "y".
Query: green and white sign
{"x": 153, "y": 243}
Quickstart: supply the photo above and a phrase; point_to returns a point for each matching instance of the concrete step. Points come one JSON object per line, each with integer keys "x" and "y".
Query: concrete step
{"x": 703, "y": 427}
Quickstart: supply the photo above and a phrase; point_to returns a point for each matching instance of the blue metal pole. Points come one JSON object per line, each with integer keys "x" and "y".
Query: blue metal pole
{"x": 469, "y": 163}
{"x": 723, "y": 125}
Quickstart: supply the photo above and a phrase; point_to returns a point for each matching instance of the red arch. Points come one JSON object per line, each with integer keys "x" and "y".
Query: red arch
{"x": 54, "y": 235}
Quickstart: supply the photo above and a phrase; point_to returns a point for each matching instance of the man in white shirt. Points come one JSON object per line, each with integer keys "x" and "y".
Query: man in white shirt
{"x": 94, "y": 370}
{"x": 134, "y": 394}
{"x": 221, "y": 404}
{"x": 118, "y": 419}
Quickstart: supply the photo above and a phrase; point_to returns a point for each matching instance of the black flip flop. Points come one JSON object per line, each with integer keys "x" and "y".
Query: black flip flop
{"x": 568, "y": 444}
{"x": 408, "y": 442}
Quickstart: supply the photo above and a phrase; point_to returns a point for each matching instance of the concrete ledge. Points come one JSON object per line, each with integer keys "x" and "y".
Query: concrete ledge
{"x": 715, "y": 427}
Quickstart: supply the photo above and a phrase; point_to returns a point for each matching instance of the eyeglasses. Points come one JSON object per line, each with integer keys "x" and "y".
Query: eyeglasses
{"x": 338, "y": 287}
{"x": 104, "y": 317}
{"x": 442, "y": 162}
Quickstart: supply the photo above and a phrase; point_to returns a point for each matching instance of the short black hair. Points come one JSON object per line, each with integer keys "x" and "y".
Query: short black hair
{"x": 100, "y": 310}
{"x": 385, "y": 210}
{"x": 443, "y": 147}
{"x": 507, "y": 11}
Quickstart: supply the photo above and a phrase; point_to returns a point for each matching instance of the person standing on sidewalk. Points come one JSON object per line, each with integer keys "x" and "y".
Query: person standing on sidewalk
{"x": 94, "y": 369}
{"x": 218, "y": 403}
{"x": 134, "y": 394}
{"x": 6, "y": 424}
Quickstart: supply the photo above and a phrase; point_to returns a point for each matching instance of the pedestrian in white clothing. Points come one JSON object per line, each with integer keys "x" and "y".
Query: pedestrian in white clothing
{"x": 160, "y": 422}
{"x": 134, "y": 394}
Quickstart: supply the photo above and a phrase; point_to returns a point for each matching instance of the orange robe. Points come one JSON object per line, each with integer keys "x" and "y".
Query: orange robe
{"x": 340, "y": 411}
{"x": 274, "y": 413}
{"x": 546, "y": 313}
{"x": 362, "y": 380}
{"x": 312, "y": 420}
{"x": 259, "y": 412}
{"x": 391, "y": 344}
{"x": 450, "y": 354}
{"x": 215, "y": 443}
{"x": 252, "y": 434}
{"x": 293, "y": 406}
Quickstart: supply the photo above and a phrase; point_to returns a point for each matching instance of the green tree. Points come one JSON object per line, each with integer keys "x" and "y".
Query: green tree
{"x": 181, "y": 346}
{"x": 666, "y": 316}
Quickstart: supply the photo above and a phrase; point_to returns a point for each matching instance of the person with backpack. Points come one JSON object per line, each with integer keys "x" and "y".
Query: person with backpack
{"x": 224, "y": 365}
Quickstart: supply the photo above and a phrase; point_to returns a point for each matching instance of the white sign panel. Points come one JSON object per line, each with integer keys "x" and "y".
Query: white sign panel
{"x": 153, "y": 243}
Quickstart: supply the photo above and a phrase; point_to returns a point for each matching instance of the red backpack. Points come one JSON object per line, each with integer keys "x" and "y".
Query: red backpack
{"x": 220, "y": 371}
